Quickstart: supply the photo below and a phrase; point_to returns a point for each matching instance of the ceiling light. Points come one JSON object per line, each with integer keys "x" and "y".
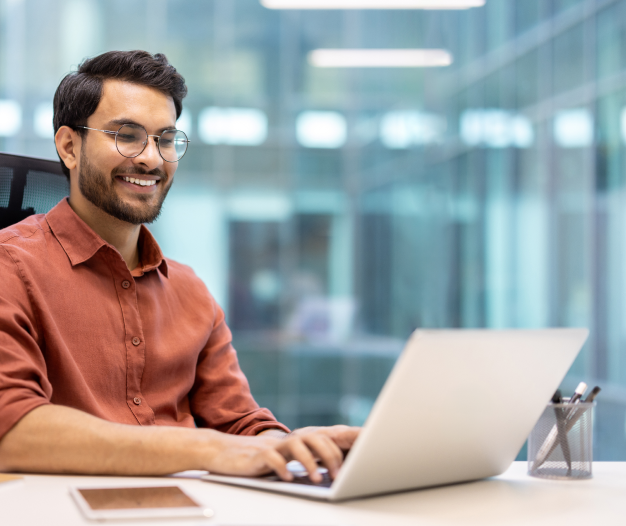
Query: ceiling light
{"x": 496, "y": 128}
{"x": 321, "y": 129}
{"x": 10, "y": 117}
{"x": 372, "y": 4}
{"x": 236, "y": 126}
{"x": 42, "y": 122}
{"x": 573, "y": 128}
{"x": 403, "y": 129}
{"x": 379, "y": 58}
{"x": 184, "y": 122}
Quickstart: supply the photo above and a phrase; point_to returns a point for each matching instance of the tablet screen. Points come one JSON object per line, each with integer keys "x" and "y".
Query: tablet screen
{"x": 137, "y": 498}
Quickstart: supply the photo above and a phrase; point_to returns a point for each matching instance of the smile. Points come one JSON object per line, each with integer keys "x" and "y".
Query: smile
{"x": 140, "y": 182}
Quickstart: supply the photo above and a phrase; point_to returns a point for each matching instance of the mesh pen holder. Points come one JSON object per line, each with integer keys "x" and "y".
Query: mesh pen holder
{"x": 560, "y": 446}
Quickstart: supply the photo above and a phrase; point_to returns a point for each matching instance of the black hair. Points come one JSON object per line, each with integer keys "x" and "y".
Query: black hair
{"x": 79, "y": 93}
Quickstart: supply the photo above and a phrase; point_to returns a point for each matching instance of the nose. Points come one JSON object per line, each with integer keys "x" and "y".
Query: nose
{"x": 150, "y": 157}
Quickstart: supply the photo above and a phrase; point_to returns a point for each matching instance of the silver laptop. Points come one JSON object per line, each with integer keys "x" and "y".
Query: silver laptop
{"x": 457, "y": 406}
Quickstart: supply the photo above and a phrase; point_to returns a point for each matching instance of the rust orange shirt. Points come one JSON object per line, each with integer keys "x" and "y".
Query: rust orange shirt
{"x": 78, "y": 329}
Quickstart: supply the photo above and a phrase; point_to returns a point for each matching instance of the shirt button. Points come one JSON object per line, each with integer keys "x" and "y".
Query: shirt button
{"x": 136, "y": 341}
{"x": 125, "y": 284}
{"x": 137, "y": 400}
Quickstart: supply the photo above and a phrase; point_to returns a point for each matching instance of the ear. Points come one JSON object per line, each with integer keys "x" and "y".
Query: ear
{"x": 68, "y": 144}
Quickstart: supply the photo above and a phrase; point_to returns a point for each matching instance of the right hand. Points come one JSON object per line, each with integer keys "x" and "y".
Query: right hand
{"x": 259, "y": 455}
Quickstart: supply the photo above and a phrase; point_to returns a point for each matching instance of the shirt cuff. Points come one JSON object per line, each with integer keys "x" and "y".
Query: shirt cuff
{"x": 13, "y": 413}
{"x": 262, "y": 426}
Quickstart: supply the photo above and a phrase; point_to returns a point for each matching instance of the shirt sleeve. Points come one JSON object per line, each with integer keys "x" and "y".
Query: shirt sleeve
{"x": 221, "y": 398}
{"x": 24, "y": 383}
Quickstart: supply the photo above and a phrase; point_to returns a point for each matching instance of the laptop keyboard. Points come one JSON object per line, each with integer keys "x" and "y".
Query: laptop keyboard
{"x": 305, "y": 479}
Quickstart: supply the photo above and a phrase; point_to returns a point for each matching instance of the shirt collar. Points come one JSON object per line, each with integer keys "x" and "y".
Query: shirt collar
{"x": 150, "y": 255}
{"x": 81, "y": 243}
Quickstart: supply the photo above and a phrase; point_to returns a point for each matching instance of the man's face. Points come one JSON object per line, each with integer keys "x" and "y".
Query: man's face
{"x": 103, "y": 171}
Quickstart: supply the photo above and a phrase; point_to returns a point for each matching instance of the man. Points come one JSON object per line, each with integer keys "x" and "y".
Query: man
{"x": 111, "y": 354}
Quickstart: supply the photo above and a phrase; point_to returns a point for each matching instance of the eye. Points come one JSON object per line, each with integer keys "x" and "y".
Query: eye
{"x": 127, "y": 137}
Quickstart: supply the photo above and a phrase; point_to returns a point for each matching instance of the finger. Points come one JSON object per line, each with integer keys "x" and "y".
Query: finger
{"x": 278, "y": 463}
{"x": 300, "y": 452}
{"x": 327, "y": 451}
{"x": 343, "y": 436}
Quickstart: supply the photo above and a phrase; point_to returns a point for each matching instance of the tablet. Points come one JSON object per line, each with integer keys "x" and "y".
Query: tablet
{"x": 101, "y": 503}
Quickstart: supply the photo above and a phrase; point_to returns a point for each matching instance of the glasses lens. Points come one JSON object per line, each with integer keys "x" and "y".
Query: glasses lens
{"x": 131, "y": 140}
{"x": 173, "y": 145}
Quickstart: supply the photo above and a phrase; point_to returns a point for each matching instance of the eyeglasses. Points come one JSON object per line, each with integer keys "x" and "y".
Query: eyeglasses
{"x": 131, "y": 140}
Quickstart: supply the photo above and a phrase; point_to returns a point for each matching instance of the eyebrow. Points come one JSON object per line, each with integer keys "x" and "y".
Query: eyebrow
{"x": 121, "y": 122}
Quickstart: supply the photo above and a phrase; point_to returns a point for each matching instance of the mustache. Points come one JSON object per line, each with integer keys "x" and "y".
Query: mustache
{"x": 139, "y": 171}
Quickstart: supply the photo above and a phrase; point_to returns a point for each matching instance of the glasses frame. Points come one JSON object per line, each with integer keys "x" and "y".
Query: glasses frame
{"x": 156, "y": 140}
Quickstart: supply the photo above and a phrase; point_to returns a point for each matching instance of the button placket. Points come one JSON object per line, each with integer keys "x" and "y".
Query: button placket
{"x": 135, "y": 344}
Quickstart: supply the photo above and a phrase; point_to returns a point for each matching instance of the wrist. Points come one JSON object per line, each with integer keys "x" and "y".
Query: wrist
{"x": 272, "y": 432}
{"x": 204, "y": 446}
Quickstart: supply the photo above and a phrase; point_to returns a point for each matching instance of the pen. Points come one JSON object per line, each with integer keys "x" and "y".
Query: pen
{"x": 573, "y": 418}
{"x": 592, "y": 395}
{"x": 561, "y": 426}
{"x": 551, "y": 440}
{"x": 580, "y": 390}
{"x": 575, "y": 415}
{"x": 557, "y": 398}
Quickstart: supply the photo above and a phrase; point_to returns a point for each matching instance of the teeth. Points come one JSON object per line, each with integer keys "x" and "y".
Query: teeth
{"x": 140, "y": 182}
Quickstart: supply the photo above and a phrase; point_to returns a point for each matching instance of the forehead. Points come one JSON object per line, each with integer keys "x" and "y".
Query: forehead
{"x": 141, "y": 104}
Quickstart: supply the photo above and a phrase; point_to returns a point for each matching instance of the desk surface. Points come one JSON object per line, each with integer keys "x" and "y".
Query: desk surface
{"x": 510, "y": 499}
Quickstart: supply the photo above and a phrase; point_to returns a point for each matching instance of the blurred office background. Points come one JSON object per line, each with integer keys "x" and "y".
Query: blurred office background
{"x": 333, "y": 210}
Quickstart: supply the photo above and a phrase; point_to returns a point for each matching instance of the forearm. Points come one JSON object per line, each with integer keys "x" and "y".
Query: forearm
{"x": 57, "y": 439}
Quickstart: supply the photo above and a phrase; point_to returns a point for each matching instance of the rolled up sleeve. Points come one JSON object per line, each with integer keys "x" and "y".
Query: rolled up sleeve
{"x": 221, "y": 398}
{"x": 23, "y": 376}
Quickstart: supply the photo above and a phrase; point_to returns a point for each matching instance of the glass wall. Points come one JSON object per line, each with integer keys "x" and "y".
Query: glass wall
{"x": 333, "y": 211}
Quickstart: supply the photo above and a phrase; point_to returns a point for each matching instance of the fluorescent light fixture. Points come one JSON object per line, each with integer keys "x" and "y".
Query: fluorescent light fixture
{"x": 379, "y": 58}
{"x": 523, "y": 132}
{"x": 573, "y": 128}
{"x": 10, "y": 117}
{"x": 496, "y": 128}
{"x": 403, "y": 129}
{"x": 42, "y": 121}
{"x": 184, "y": 122}
{"x": 235, "y": 126}
{"x": 321, "y": 129}
{"x": 372, "y": 4}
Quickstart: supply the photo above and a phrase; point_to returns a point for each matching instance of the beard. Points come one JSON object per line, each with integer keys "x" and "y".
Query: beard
{"x": 97, "y": 188}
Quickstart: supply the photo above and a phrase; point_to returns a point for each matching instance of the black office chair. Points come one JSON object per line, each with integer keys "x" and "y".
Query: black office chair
{"x": 29, "y": 186}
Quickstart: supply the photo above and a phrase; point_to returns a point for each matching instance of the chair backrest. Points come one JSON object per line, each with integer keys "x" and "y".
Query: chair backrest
{"x": 29, "y": 186}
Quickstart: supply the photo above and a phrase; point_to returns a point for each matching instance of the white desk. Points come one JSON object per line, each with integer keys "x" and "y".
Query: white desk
{"x": 510, "y": 499}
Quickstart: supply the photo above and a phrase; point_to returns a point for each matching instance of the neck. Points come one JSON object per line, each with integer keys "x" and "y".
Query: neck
{"x": 123, "y": 236}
